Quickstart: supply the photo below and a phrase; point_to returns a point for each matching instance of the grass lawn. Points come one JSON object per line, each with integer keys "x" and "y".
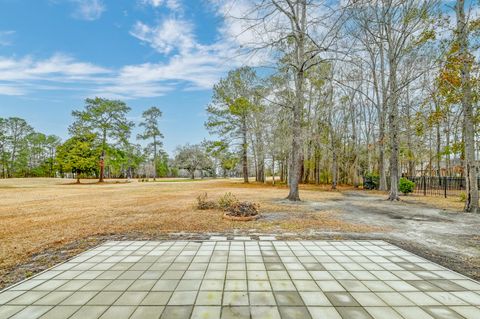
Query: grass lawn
{"x": 40, "y": 216}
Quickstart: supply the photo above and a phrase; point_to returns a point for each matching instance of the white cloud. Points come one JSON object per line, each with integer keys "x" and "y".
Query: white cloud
{"x": 130, "y": 91}
{"x": 174, "y": 5}
{"x": 171, "y": 34}
{"x": 245, "y": 23}
{"x": 6, "y": 37}
{"x": 88, "y": 9}
{"x": 27, "y": 75}
{"x": 196, "y": 64}
{"x": 60, "y": 67}
{"x": 21, "y": 76}
{"x": 187, "y": 63}
{"x": 199, "y": 71}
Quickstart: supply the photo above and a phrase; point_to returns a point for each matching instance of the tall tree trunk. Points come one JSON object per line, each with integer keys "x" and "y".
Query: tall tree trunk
{"x": 334, "y": 168}
{"x": 448, "y": 170}
{"x": 273, "y": 169}
{"x": 410, "y": 154}
{"x": 296, "y": 163}
{"x": 260, "y": 156}
{"x": 355, "y": 176}
{"x": 154, "y": 158}
{"x": 245, "y": 151}
{"x": 382, "y": 114}
{"x": 102, "y": 157}
{"x": 471, "y": 203}
{"x": 102, "y": 166}
{"x": 296, "y": 156}
{"x": 282, "y": 171}
{"x": 393, "y": 128}
{"x": 307, "y": 164}
{"x": 285, "y": 169}
{"x": 261, "y": 170}
{"x": 255, "y": 159}
{"x": 439, "y": 146}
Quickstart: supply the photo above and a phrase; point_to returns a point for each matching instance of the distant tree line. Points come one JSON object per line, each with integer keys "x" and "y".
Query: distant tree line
{"x": 24, "y": 152}
{"x": 98, "y": 146}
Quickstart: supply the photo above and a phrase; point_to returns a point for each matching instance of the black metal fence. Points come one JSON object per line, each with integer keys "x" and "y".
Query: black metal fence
{"x": 438, "y": 186}
{"x": 430, "y": 185}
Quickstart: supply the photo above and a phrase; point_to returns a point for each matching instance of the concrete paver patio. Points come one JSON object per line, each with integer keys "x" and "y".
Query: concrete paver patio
{"x": 244, "y": 279}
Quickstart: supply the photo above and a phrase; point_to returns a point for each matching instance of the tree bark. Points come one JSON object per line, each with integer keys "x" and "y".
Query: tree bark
{"x": 296, "y": 163}
{"x": 471, "y": 203}
{"x": 154, "y": 158}
{"x": 102, "y": 157}
{"x": 382, "y": 112}
{"x": 245, "y": 150}
{"x": 355, "y": 176}
{"x": 334, "y": 168}
{"x": 393, "y": 128}
{"x": 273, "y": 170}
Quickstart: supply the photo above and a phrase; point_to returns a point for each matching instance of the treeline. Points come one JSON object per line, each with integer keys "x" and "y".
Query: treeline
{"x": 388, "y": 88}
{"x": 24, "y": 152}
{"x": 99, "y": 146}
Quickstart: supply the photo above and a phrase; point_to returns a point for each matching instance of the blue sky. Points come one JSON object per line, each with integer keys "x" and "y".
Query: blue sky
{"x": 167, "y": 53}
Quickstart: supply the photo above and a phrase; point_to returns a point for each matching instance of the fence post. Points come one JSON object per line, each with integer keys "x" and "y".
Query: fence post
{"x": 445, "y": 181}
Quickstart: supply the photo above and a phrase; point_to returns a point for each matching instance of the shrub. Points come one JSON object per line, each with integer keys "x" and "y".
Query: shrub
{"x": 463, "y": 197}
{"x": 371, "y": 181}
{"x": 227, "y": 201}
{"x": 243, "y": 209}
{"x": 204, "y": 203}
{"x": 406, "y": 186}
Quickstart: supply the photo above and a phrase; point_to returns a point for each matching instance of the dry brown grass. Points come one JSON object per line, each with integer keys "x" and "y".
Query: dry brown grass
{"x": 41, "y": 214}
{"x": 452, "y": 203}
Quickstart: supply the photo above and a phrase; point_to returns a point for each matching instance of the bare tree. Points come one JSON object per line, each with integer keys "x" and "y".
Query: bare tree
{"x": 398, "y": 31}
{"x": 466, "y": 59}
{"x": 298, "y": 31}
